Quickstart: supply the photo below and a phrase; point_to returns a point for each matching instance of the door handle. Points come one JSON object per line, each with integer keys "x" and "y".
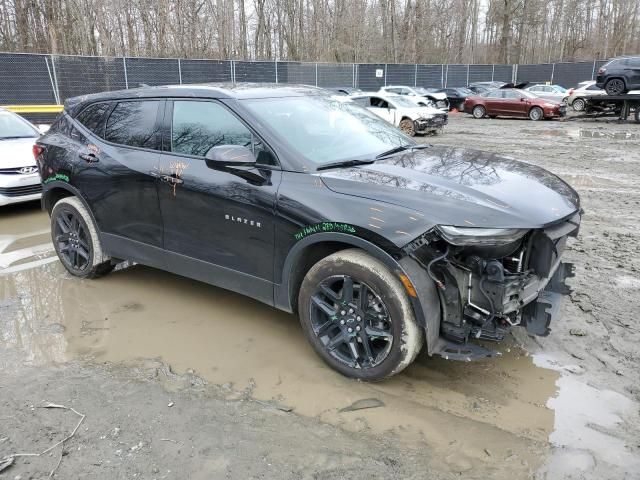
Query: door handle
{"x": 89, "y": 157}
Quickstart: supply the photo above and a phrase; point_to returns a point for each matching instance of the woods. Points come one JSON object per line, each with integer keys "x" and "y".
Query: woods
{"x": 393, "y": 31}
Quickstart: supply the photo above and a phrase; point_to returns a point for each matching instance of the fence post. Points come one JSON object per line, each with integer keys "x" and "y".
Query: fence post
{"x": 180, "y": 71}
{"x": 593, "y": 71}
{"x": 514, "y": 73}
{"x": 53, "y": 85}
{"x": 385, "y": 74}
{"x": 55, "y": 79}
{"x": 276, "y": 62}
{"x": 126, "y": 77}
{"x": 232, "y": 71}
{"x": 316, "y": 74}
{"x": 493, "y": 71}
{"x": 553, "y": 71}
{"x": 446, "y": 77}
{"x": 354, "y": 73}
{"x": 468, "y": 67}
{"x": 415, "y": 77}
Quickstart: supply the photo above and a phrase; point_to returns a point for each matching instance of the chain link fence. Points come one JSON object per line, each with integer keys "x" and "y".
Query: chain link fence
{"x": 50, "y": 79}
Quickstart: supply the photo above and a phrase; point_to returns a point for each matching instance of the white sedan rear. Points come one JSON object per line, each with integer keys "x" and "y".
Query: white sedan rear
{"x": 19, "y": 178}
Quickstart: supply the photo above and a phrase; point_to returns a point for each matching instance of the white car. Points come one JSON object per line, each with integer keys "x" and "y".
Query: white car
{"x": 437, "y": 99}
{"x": 553, "y": 93}
{"x": 19, "y": 178}
{"x": 403, "y": 112}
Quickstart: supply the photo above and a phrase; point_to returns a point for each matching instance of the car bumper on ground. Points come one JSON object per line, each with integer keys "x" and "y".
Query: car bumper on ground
{"x": 16, "y": 188}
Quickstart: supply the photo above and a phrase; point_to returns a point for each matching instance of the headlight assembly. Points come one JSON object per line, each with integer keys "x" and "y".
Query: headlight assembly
{"x": 461, "y": 236}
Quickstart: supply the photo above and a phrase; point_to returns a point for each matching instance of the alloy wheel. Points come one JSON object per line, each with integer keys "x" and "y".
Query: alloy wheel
{"x": 351, "y": 322}
{"x": 614, "y": 86}
{"x": 72, "y": 240}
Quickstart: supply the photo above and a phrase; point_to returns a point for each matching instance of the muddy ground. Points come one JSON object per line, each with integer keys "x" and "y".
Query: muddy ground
{"x": 178, "y": 379}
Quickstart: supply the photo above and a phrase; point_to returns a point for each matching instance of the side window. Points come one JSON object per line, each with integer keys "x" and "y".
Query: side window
{"x": 363, "y": 101}
{"x": 197, "y": 126}
{"x": 495, "y": 94}
{"x": 134, "y": 124}
{"x": 593, "y": 87}
{"x": 510, "y": 94}
{"x": 634, "y": 62}
{"x": 93, "y": 117}
{"x": 394, "y": 90}
{"x": 379, "y": 103}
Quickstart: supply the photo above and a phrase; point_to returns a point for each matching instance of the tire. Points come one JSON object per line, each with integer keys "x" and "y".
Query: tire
{"x": 76, "y": 241}
{"x": 479, "y": 111}
{"x": 536, "y": 114}
{"x": 615, "y": 86}
{"x": 407, "y": 127}
{"x": 337, "y": 323}
{"x": 637, "y": 115}
{"x": 565, "y": 101}
{"x": 578, "y": 105}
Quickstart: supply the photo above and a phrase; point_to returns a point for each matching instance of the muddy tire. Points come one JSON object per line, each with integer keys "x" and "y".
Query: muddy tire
{"x": 578, "y": 105}
{"x": 536, "y": 114}
{"x": 407, "y": 127}
{"x": 615, "y": 86}
{"x": 479, "y": 111}
{"x": 357, "y": 316}
{"x": 76, "y": 240}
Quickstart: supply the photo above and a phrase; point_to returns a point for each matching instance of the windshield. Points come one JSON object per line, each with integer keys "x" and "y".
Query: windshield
{"x": 465, "y": 91}
{"x": 422, "y": 90}
{"x": 324, "y": 130}
{"x": 527, "y": 94}
{"x": 12, "y": 126}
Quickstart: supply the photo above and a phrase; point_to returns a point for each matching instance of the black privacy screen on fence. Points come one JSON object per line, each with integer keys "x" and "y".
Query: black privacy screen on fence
{"x": 50, "y": 79}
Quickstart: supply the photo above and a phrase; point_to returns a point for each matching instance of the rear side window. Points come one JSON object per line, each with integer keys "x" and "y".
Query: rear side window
{"x": 134, "y": 124}
{"x": 634, "y": 62}
{"x": 93, "y": 117}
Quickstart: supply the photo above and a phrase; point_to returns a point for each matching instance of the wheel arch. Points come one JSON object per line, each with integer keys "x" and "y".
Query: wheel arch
{"x": 308, "y": 251}
{"x": 57, "y": 190}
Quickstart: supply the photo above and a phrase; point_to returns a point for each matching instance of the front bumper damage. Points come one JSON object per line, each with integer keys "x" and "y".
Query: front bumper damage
{"x": 484, "y": 291}
{"x": 437, "y": 122}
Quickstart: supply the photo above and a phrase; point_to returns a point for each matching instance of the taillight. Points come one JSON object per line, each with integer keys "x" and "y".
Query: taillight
{"x": 601, "y": 71}
{"x": 37, "y": 150}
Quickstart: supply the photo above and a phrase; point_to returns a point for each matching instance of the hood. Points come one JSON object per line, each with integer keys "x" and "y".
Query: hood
{"x": 421, "y": 112}
{"x": 436, "y": 95}
{"x": 462, "y": 187}
{"x": 17, "y": 152}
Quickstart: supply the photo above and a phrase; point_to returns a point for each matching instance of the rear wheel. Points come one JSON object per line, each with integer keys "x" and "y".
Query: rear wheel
{"x": 407, "y": 126}
{"x": 578, "y": 105}
{"x": 479, "y": 111}
{"x": 357, "y": 316}
{"x": 76, "y": 240}
{"x": 637, "y": 113}
{"x": 536, "y": 114}
{"x": 615, "y": 86}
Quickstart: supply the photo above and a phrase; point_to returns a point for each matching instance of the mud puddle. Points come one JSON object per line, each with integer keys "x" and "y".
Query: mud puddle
{"x": 477, "y": 412}
{"x": 587, "y": 420}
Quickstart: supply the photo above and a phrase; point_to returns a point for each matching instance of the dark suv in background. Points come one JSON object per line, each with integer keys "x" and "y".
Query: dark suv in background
{"x": 310, "y": 203}
{"x": 619, "y": 75}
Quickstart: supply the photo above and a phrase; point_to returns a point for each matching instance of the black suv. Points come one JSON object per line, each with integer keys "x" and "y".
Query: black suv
{"x": 619, "y": 75}
{"x": 310, "y": 203}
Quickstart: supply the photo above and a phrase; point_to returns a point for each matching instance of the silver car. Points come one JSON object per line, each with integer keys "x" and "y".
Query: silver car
{"x": 553, "y": 93}
{"x": 19, "y": 179}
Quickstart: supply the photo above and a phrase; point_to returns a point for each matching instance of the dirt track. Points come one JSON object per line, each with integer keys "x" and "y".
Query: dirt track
{"x": 251, "y": 400}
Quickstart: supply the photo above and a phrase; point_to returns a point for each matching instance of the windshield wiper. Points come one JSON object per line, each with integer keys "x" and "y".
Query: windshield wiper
{"x": 344, "y": 163}
{"x": 401, "y": 148}
{"x": 13, "y": 137}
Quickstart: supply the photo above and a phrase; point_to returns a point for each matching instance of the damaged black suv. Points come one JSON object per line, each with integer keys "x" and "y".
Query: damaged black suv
{"x": 310, "y": 203}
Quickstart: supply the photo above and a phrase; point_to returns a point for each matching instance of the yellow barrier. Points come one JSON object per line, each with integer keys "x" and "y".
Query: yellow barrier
{"x": 34, "y": 108}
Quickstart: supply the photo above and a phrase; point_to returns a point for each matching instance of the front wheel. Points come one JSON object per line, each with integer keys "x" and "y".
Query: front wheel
{"x": 536, "y": 114}
{"x": 357, "y": 316}
{"x": 407, "y": 126}
{"x": 76, "y": 240}
{"x": 578, "y": 105}
{"x": 479, "y": 111}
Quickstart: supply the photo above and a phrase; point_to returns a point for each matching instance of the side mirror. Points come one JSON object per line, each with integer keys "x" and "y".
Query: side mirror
{"x": 230, "y": 156}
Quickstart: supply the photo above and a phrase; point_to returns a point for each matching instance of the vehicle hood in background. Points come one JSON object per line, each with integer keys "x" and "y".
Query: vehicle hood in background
{"x": 17, "y": 152}
{"x": 462, "y": 187}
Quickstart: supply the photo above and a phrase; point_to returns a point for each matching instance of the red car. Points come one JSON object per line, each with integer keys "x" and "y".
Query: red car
{"x": 512, "y": 102}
